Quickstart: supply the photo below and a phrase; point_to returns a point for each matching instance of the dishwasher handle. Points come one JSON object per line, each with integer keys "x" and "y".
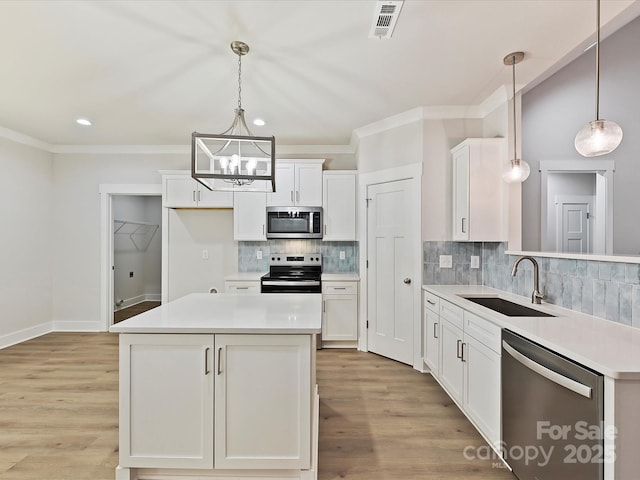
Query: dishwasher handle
{"x": 547, "y": 373}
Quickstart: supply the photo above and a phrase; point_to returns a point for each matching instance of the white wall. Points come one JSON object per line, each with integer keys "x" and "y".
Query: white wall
{"x": 76, "y": 218}
{"x": 137, "y": 249}
{"x": 190, "y": 232}
{"x": 557, "y": 108}
{"x": 26, "y": 240}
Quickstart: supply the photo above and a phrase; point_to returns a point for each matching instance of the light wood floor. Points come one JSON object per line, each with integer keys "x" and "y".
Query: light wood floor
{"x": 378, "y": 419}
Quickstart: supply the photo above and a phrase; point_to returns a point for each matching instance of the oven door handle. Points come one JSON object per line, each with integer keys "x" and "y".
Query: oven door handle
{"x": 547, "y": 373}
{"x": 286, "y": 283}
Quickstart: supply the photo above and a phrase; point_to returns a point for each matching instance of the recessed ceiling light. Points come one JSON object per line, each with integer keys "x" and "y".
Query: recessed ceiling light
{"x": 259, "y": 122}
{"x": 83, "y": 121}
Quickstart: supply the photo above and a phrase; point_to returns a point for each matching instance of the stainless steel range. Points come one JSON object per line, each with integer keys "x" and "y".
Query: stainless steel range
{"x": 293, "y": 273}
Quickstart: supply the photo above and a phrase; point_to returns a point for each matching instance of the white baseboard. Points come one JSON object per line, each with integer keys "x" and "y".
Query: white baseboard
{"x": 73, "y": 326}
{"x": 25, "y": 334}
{"x": 147, "y": 297}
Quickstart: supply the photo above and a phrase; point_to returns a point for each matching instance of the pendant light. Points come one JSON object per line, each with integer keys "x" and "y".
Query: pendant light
{"x": 515, "y": 170}
{"x": 599, "y": 136}
{"x": 234, "y": 159}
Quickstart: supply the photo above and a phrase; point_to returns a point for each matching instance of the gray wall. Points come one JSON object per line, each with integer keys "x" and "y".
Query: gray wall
{"x": 554, "y": 111}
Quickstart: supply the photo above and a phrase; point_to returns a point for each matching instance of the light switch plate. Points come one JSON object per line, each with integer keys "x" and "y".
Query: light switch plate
{"x": 446, "y": 261}
{"x": 475, "y": 261}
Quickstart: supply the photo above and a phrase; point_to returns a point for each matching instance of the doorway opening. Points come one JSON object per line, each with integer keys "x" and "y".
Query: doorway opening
{"x": 131, "y": 250}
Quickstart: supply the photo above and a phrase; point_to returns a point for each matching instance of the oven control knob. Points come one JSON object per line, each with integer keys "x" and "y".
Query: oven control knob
{"x": 278, "y": 258}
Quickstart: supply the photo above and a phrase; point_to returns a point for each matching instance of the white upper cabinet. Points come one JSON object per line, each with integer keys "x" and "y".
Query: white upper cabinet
{"x": 249, "y": 216}
{"x": 479, "y": 193}
{"x": 298, "y": 183}
{"x": 339, "y": 205}
{"x": 182, "y": 191}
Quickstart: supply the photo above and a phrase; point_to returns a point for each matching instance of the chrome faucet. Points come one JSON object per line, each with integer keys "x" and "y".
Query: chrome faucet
{"x": 536, "y": 296}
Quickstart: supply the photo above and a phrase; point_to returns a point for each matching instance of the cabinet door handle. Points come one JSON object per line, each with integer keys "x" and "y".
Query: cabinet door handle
{"x": 206, "y": 361}
{"x": 462, "y": 344}
{"x": 199, "y": 195}
{"x": 435, "y": 330}
{"x": 462, "y": 226}
{"x": 242, "y": 288}
{"x": 325, "y": 229}
{"x": 431, "y": 302}
{"x": 219, "y": 360}
{"x": 193, "y": 195}
{"x": 324, "y": 306}
{"x": 339, "y": 288}
{"x": 263, "y": 229}
{"x": 458, "y": 348}
{"x": 291, "y": 196}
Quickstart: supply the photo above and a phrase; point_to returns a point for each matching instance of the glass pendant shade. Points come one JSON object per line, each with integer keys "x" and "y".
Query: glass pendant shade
{"x": 598, "y": 137}
{"x": 516, "y": 171}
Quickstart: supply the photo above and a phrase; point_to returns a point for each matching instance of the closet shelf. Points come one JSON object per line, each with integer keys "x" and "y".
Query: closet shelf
{"x": 140, "y": 233}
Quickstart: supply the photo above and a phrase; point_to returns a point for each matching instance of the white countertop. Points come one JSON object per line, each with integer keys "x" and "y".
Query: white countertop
{"x": 244, "y": 276}
{"x": 610, "y": 348}
{"x": 230, "y": 313}
{"x": 340, "y": 277}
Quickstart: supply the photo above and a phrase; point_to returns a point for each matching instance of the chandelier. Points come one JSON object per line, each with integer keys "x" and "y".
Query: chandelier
{"x": 234, "y": 159}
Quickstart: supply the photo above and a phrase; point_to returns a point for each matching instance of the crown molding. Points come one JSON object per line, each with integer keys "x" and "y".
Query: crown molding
{"x": 25, "y": 139}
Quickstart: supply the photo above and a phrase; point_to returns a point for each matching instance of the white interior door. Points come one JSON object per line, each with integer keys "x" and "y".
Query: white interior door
{"x": 574, "y": 223}
{"x": 390, "y": 285}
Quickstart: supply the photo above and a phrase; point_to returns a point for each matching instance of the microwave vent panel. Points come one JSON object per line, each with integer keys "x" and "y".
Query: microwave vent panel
{"x": 385, "y": 18}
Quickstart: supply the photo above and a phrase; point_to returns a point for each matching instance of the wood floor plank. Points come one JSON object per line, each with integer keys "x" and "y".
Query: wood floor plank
{"x": 379, "y": 420}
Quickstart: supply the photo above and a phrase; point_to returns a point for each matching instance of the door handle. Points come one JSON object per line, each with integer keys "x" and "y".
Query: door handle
{"x": 407, "y": 281}
{"x": 206, "y": 361}
{"x": 547, "y": 373}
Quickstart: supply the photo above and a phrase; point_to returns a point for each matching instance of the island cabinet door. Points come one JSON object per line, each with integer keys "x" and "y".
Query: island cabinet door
{"x": 263, "y": 402}
{"x": 166, "y": 400}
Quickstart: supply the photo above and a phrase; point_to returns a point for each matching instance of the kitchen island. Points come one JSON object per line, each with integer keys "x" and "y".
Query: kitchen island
{"x": 220, "y": 386}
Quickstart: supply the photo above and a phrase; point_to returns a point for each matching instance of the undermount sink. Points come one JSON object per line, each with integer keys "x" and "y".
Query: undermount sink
{"x": 505, "y": 307}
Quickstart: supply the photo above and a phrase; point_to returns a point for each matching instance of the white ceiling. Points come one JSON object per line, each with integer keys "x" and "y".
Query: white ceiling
{"x": 151, "y": 72}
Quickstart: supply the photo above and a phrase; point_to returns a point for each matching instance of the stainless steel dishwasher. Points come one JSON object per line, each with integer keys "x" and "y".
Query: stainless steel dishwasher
{"x": 552, "y": 414}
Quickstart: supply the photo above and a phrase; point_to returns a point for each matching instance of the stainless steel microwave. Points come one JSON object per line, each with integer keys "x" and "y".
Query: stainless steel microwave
{"x": 294, "y": 222}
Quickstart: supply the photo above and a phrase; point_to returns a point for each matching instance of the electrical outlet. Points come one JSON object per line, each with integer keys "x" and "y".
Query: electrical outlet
{"x": 205, "y": 254}
{"x": 446, "y": 261}
{"x": 342, "y": 255}
{"x": 475, "y": 261}
{"x": 259, "y": 254}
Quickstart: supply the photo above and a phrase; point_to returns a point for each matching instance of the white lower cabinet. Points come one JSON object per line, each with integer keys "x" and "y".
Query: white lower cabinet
{"x": 166, "y": 401}
{"x": 451, "y": 364}
{"x": 339, "y": 314}
{"x": 468, "y": 365}
{"x": 263, "y": 384}
{"x": 431, "y": 332}
{"x": 242, "y": 286}
{"x": 193, "y": 401}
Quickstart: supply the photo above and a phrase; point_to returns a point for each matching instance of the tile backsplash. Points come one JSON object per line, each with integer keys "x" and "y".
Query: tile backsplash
{"x": 331, "y": 263}
{"x": 608, "y": 290}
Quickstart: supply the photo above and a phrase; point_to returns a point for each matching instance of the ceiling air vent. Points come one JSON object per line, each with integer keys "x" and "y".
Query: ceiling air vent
{"x": 385, "y": 18}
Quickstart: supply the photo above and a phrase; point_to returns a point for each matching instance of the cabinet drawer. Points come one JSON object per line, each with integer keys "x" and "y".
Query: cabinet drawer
{"x": 483, "y": 330}
{"x": 242, "y": 287}
{"x": 340, "y": 288}
{"x": 432, "y": 302}
{"x": 451, "y": 312}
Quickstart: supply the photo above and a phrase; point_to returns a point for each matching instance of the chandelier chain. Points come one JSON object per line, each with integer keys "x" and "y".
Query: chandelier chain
{"x": 239, "y": 81}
